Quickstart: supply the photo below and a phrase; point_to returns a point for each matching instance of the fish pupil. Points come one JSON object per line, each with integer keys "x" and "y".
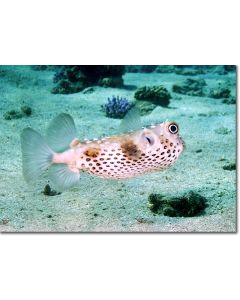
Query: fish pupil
{"x": 173, "y": 128}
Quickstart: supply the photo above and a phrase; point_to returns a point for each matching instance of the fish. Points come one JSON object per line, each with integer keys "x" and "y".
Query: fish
{"x": 136, "y": 150}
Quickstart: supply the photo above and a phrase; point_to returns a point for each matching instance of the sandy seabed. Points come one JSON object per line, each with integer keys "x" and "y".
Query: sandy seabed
{"x": 100, "y": 205}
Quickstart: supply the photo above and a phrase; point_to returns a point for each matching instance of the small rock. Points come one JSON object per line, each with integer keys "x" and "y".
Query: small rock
{"x": 199, "y": 151}
{"x": 4, "y": 221}
{"x": 26, "y": 110}
{"x": 230, "y": 100}
{"x": 49, "y": 192}
{"x": 229, "y": 167}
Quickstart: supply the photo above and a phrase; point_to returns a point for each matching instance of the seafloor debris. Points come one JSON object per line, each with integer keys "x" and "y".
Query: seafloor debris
{"x": 187, "y": 205}
{"x": 222, "y": 130}
{"x": 15, "y": 114}
{"x": 4, "y": 221}
{"x": 158, "y": 95}
{"x": 49, "y": 192}
{"x": 26, "y": 110}
{"x": 12, "y": 114}
{"x": 230, "y": 166}
{"x": 117, "y": 107}
{"x": 190, "y": 87}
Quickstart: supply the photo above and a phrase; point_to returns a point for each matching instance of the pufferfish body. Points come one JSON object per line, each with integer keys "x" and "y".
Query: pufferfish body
{"x": 151, "y": 148}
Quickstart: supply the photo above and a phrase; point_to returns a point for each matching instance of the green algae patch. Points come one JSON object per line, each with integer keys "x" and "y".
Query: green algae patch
{"x": 188, "y": 205}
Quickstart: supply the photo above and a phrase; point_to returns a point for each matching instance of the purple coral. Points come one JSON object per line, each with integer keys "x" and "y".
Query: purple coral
{"x": 117, "y": 107}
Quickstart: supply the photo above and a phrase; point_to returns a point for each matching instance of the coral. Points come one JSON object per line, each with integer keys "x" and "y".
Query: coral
{"x": 73, "y": 79}
{"x": 186, "y": 205}
{"x": 158, "y": 95}
{"x": 191, "y": 87}
{"x": 219, "y": 92}
{"x": 116, "y": 107}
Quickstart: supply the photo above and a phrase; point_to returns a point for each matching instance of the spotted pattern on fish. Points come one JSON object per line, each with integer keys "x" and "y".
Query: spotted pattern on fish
{"x": 122, "y": 157}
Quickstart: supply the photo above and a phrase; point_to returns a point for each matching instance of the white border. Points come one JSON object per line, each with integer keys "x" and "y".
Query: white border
{"x": 119, "y": 266}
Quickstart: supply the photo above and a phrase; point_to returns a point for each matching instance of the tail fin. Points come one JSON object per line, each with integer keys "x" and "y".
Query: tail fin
{"x": 36, "y": 154}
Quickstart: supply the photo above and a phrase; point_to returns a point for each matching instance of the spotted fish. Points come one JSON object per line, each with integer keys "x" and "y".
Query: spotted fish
{"x": 144, "y": 149}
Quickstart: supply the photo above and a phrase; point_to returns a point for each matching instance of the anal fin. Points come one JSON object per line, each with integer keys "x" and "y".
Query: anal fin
{"x": 63, "y": 177}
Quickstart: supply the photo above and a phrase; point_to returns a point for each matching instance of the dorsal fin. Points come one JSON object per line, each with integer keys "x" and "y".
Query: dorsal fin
{"x": 61, "y": 132}
{"x": 131, "y": 121}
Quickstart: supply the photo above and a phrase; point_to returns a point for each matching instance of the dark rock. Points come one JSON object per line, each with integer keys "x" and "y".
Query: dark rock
{"x": 49, "y": 192}
{"x": 191, "y": 87}
{"x": 12, "y": 114}
{"x": 26, "y": 110}
{"x": 188, "y": 205}
{"x": 230, "y": 167}
{"x": 229, "y": 100}
{"x": 230, "y": 68}
{"x": 199, "y": 151}
{"x": 158, "y": 95}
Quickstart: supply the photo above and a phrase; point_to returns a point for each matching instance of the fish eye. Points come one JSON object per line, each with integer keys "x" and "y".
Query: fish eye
{"x": 173, "y": 128}
{"x": 149, "y": 139}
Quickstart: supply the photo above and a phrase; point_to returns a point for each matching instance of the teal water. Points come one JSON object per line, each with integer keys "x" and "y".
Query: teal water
{"x": 202, "y": 102}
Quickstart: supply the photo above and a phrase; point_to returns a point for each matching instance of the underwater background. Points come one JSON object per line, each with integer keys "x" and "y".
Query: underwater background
{"x": 197, "y": 194}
